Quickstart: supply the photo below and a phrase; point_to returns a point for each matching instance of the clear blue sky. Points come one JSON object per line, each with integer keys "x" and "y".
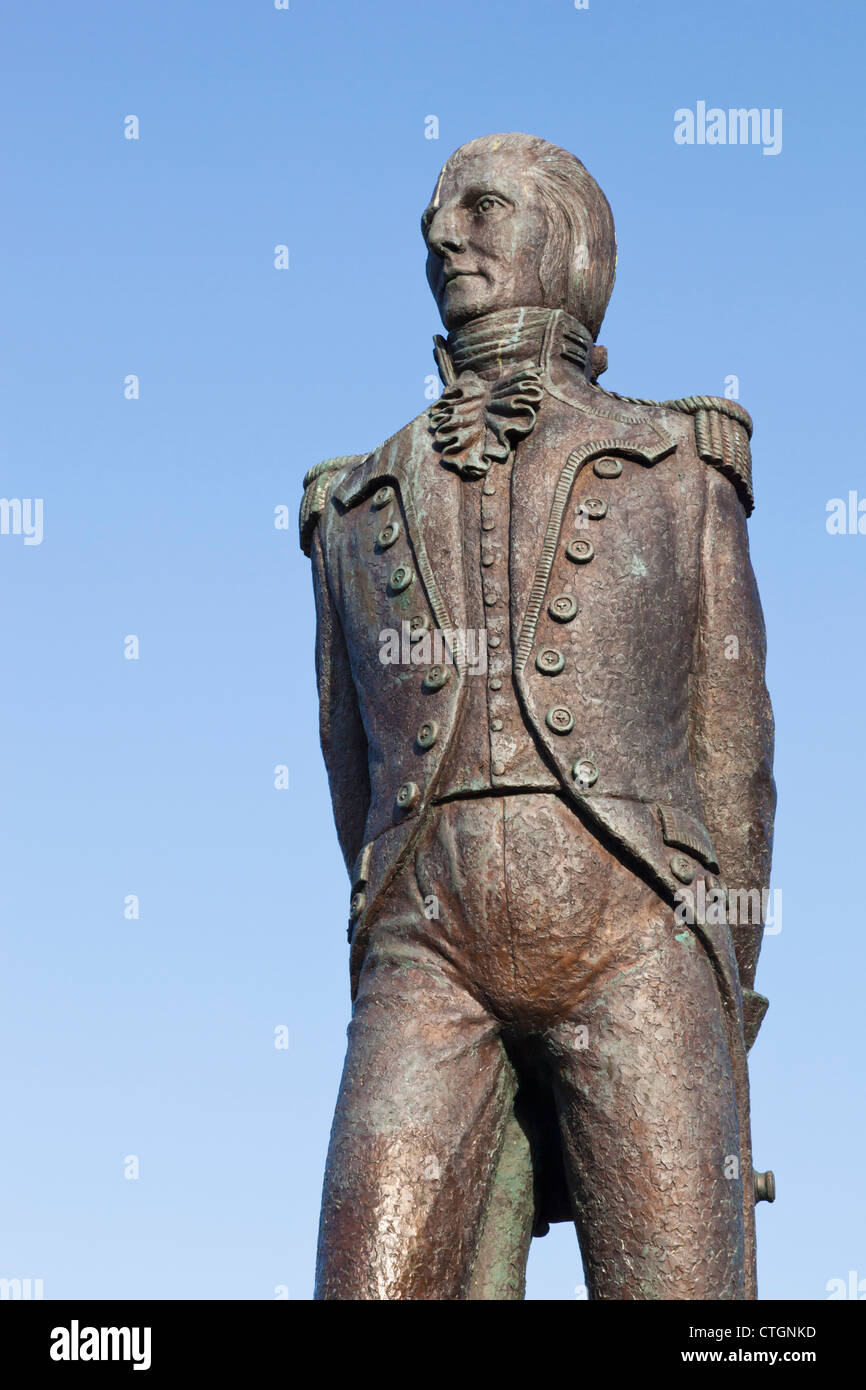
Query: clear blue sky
{"x": 155, "y": 1037}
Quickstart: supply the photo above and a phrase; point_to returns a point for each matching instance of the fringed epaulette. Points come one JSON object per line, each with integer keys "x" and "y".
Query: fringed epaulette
{"x": 722, "y": 432}
{"x": 317, "y": 480}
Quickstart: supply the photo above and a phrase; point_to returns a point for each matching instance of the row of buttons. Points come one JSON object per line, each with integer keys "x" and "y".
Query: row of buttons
{"x": 437, "y": 676}
{"x": 581, "y": 551}
{"x": 494, "y": 596}
{"x": 402, "y": 575}
{"x": 409, "y": 794}
{"x": 563, "y": 608}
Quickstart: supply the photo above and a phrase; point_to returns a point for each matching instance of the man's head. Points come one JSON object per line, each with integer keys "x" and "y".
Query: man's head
{"x": 517, "y": 222}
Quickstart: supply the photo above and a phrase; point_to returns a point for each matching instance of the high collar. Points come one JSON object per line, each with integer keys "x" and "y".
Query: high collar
{"x": 495, "y": 344}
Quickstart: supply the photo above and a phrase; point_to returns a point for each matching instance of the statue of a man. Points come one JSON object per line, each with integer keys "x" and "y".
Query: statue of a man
{"x": 540, "y": 658}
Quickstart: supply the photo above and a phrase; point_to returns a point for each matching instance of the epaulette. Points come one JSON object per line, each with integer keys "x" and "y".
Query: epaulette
{"x": 722, "y": 433}
{"x": 317, "y": 480}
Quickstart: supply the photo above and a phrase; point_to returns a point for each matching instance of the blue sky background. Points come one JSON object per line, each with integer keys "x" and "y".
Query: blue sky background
{"x": 155, "y": 777}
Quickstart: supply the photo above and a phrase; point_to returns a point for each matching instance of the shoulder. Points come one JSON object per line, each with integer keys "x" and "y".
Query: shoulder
{"x": 719, "y": 429}
{"x": 343, "y": 474}
{"x": 318, "y": 482}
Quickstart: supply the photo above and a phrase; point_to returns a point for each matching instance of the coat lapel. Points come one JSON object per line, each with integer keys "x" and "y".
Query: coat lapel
{"x": 430, "y": 497}
{"x": 640, "y": 443}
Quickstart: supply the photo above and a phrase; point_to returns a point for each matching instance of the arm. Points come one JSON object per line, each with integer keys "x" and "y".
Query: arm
{"x": 731, "y": 732}
{"x": 344, "y": 743}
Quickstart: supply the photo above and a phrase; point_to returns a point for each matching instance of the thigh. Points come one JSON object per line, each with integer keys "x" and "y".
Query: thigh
{"x": 419, "y": 1123}
{"x": 650, "y": 1131}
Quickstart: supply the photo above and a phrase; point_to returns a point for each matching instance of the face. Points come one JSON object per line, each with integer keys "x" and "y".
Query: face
{"x": 485, "y": 231}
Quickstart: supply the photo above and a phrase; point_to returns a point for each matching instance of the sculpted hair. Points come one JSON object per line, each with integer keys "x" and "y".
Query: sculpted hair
{"x": 579, "y": 261}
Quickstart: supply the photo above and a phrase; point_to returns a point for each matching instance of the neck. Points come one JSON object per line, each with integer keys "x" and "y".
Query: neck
{"x": 496, "y": 343}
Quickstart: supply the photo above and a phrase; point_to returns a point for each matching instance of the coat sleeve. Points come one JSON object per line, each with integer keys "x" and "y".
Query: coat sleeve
{"x": 344, "y": 742}
{"x": 731, "y": 726}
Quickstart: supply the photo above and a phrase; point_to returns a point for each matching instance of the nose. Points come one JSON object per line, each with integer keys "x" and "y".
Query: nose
{"x": 443, "y": 232}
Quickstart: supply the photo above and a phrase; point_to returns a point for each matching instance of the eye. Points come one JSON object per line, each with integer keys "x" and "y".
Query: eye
{"x": 487, "y": 203}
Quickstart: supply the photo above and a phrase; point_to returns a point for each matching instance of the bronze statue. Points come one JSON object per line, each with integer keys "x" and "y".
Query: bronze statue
{"x": 540, "y": 658}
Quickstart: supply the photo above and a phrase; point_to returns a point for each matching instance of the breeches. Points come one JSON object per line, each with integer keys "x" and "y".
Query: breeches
{"x": 515, "y": 967}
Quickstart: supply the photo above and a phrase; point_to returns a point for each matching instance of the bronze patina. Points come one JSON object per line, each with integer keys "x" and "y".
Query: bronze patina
{"x": 540, "y": 662}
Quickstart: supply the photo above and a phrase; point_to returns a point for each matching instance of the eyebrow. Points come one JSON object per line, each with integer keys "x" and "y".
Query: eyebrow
{"x": 470, "y": 195}
{"x": 480, "y": 190}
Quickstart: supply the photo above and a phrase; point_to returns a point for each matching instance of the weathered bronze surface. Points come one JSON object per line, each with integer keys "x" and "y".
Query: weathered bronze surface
{"x": 543, "y": 812}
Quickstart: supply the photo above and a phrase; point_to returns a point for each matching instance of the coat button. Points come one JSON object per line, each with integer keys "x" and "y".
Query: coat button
{"x": 580, "y": 551}
{"x": 388, "y": 535}
{"x": 488, "y": 489}
{"x": 419, "y": 622}
{"x": 383, "y": 497}
{"x": 401, "y": 578}
{"x": 560, "y": 719}
{"x": 607, "y": 468}
{"x": 408, "y": 796}
{"x": 436, "y": 677}
{"x": 496, "y": 725}
{"x": 550, "y": 661}
{"x": 585, "y": 772}
{"x": 594, "y": 507}
{"x": 356, "y": 906}
{"x": 682, "y": 868}
{"x": 563, "y": 608}
{"x": 765, "y": 1186}
{"x": 428, "y": 733}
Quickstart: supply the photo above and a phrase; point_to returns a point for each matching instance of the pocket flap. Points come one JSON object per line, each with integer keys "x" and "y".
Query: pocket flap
{"x": 682, "y": 831}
